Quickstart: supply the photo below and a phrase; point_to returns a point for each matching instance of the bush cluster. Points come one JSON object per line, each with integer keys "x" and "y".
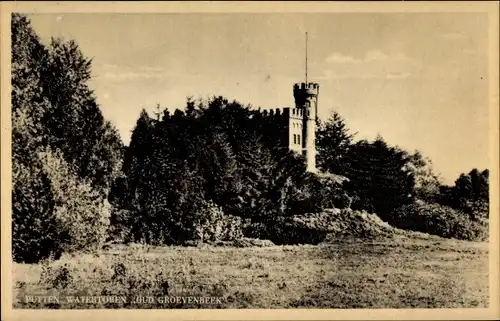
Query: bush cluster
{"x": 54, "y": 212}
{"x": 216, "y": 226}
{"x": 313, "y": 228}
{"x": 440, "y": 220}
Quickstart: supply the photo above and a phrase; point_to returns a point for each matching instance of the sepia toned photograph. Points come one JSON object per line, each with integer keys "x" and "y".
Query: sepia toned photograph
{"x": 250, "y": 160}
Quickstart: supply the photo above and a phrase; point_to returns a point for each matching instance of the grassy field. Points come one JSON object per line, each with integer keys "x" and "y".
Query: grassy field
{"x": 397, "y": 273}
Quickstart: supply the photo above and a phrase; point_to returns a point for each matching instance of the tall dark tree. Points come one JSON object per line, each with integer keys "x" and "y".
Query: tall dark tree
{"x": 333, "y": 140}
{"x": 28, "y": 102}
{"x": 74, "y": 121}
{"x": 32, "y": 199}
{"x": 124, "y": 195}
{"x": 377, "y": 177}
{"x": 221, "y": 172}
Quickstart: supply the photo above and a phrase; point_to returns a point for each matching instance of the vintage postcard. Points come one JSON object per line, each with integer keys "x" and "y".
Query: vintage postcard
{"x": 250, "y": 160}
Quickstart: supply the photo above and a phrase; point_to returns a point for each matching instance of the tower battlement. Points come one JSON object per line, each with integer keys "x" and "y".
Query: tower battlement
{"x": 273, "y": 112}
{"x": 306, "y": 94}
{"x": 311, "y": 89}
{"x": 285, "y": 112}
{"x": 298, "y": 113}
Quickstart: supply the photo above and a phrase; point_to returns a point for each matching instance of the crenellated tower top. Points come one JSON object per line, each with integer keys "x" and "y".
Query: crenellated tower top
{"x": 306, "y": 97}
{"x": 310, "y": 89}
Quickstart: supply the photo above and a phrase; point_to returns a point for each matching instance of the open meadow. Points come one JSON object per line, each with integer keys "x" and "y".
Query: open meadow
{"x": 393, "y": 273}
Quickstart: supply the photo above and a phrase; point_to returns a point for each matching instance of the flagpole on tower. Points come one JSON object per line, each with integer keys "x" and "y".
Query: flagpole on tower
{"x": 306, "y": 57}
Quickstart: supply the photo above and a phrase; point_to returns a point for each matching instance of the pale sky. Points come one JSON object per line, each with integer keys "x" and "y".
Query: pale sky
{"x": 420, "y": 80}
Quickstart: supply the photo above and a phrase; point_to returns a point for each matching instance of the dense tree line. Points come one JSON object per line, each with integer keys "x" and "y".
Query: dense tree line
{"x": 470, "y": 194}
{"x": 212, "y": 152}
{"x": 383, "y": 178}
{"x": 202, "y": 172}
{"x": 379, "y": 176}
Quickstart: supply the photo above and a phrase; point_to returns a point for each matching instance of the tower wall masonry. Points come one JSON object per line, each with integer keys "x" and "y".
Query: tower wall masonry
{"x": 306, "y": 99}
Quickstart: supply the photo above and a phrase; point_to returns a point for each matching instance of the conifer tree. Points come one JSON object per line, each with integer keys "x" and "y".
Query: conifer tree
{"x": 221, "y": 172}
{"x": 378, "y": 178}
{"x": 333, "y": 140}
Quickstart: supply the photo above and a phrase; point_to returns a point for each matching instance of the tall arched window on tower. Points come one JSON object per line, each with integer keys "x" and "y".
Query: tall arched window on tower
{"x": 294, "y": 139}
{"x": 298, "y": 139}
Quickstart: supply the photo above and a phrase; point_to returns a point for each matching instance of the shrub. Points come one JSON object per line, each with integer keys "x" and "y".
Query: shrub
{"x": 54, "y": 212}
{"x": 257, "y": 230}
{"x": 34, "y": 229}
{"x": 215, "y": 226}
{"x": 81, "y": 213}
{"x": 319, "y": 191}
{"x": 120, "y": 229}
{"x": 440, "y": 220}
{"x": 313, "y": 228}
{"x": 284, "y": 230}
